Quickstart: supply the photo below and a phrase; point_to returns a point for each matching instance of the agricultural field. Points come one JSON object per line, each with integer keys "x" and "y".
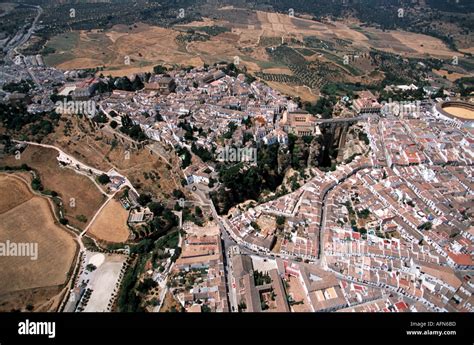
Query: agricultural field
{"x": 80, "y": 197}
{"x": 23, "y": 280}
{"x": 314, "y": 50}
{"x": 143, "y": 44}
{"x": 450, "y": 76}
{"x": 111, "y": 223}
{"x": 13, "y": 193}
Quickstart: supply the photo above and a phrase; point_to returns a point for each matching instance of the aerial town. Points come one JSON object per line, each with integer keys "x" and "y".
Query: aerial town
{"x": 203, "y": 188}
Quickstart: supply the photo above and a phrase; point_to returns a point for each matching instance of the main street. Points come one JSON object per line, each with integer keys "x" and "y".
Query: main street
{"x": 229, "y": 244}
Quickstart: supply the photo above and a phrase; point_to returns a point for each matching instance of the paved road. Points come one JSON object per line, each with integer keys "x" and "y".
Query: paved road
{"x": 12, "y": 52}
{"x": 201, "y": 193}
{"x": 322, "y": 225}
{"x": 28, "y": 34}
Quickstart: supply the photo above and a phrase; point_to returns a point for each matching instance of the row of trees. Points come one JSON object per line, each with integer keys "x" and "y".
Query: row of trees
{"x": 119, "y": 83}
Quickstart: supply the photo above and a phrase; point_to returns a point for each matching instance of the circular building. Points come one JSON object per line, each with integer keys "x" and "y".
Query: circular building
{"x": 460, "y": 112}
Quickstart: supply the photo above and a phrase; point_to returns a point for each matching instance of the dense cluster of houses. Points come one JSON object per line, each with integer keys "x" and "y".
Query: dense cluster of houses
{"x": 198, "y": 277}
{"x": 398, "y": 219}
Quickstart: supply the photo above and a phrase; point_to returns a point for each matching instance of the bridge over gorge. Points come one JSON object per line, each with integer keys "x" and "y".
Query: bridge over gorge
{"x": 334, "y": 134}
{"x": 347, "y": 120}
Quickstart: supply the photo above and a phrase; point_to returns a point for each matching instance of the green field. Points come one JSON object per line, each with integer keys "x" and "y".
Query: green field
{"x": 57, "y": 59}
{"x": 63, "y": 44}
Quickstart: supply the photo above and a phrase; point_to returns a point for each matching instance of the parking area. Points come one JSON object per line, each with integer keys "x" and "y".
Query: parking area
{"x": 103, "y": 282}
